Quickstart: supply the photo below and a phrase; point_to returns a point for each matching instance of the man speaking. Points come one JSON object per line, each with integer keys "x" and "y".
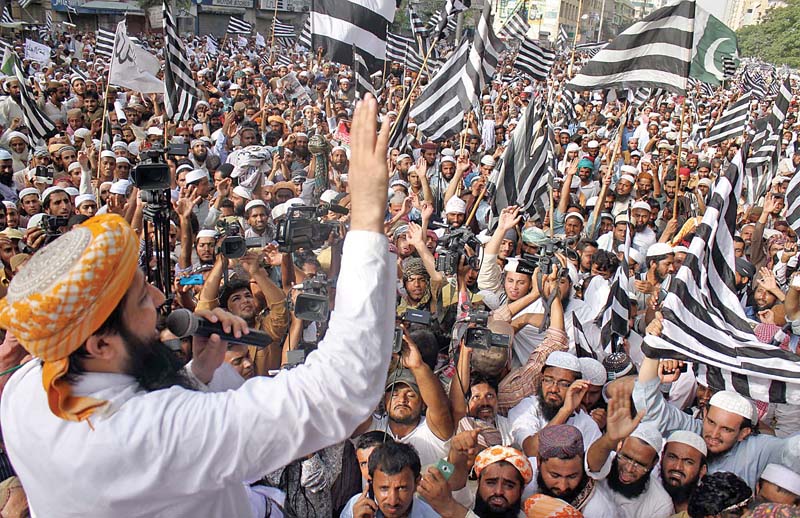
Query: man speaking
{"x": 103, "y": 423}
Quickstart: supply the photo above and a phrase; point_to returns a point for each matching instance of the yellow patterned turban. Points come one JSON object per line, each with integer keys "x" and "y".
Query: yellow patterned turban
{"x": 514, "y": 457}
{"x": 542, "y": 506}
{"x": 63, "y": 295}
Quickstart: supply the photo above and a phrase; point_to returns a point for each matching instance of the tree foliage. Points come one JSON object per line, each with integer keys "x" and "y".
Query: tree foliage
{"x": 776, "y": 39}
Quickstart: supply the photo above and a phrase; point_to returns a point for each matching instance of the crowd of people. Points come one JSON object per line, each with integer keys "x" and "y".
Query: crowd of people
{"x": 488, "y": 408}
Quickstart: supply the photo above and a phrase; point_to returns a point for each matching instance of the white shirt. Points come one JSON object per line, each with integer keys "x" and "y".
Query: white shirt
{"x": 429, "y": 447}
{"x": 655, "y": 502}
{"x": 600, "y": 505}
{"x": 180, "y": 453}
{"x": 527, "y": 419}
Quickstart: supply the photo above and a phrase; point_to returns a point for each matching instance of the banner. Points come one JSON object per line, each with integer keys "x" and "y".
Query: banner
{"x": 37, "y": 52}
{"x": 294, "y": 90}
{"x": 132, "y": 66}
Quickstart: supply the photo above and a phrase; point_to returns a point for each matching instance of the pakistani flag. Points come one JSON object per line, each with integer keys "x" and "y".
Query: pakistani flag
{"x": 713, "y": 42}
{"x": 7, "y": 63}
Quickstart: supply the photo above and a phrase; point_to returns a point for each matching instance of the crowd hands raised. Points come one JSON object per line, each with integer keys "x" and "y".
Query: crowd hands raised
{"x": 489, "y": 407}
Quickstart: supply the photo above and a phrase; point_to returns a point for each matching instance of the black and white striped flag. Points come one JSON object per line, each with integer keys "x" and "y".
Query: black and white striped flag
{"x": 305, "y": 35}
{"x": 613, "y": 319}
{"x": 733, "y": 121}
{"x": 80, "y": 73}
{"x": 526, "y": 174}
{"x": 338, "y": 25}
{"x": 361, "y": 75}
{"x": 565, "y": 106}
{"x": 49, "y": 22}
{"x": 25, "y": 3}
{"x": 396, "y": 45}
{"x": 438, "y": 110}
{"x": 6, "y": 17}
{"x": 418, "y": 29}
{"x": 583, "y": 347}
{"x": 516, "y": 27}
{"x": 754, "y": 82}
{"x": 444, "y": 23}
{"x": 590, "y": 49}
{"x": 283, "y": 33}
{"x": 655, "y": 52}
{"x": 728, "y": 67}
{"x": 767, "y": 144}
{"x": 180, "y": 91}
{"x": 399, "y": 138}
{"x": 534, "y": 60}
{"x": 37, "y": 121}
{"x": 104, "y": 43}
{"x": 793, "y": 199}
{"x": 238, "y": 26}
{"x": 703, "y": 317}
{"x": 562, "y": 41}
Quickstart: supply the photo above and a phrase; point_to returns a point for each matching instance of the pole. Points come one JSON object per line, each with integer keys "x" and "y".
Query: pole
{"x": 678, "y": 162}
{"x": 413, "y": 86}
{"x": 600, "y": 26}
{"x": 272, "y": 38}
{"x": 575, "y": 37}
{"x": 105, "y": 114}
{"x": 475, "y": 207}
{"x": 552, "y": 212}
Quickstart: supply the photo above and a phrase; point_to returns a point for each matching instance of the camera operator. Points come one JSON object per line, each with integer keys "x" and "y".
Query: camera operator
{"x": 159, "y": 446}
{"x": 237, "y": 297}
{"x": 422, "y": 283}
{"x": 56, "y": 203}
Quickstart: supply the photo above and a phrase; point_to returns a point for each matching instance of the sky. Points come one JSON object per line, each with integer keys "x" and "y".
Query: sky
{"x": 715, "y": 7}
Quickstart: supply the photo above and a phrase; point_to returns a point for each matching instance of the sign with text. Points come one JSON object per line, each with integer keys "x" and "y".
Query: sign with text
{"x": 37, "y": 52}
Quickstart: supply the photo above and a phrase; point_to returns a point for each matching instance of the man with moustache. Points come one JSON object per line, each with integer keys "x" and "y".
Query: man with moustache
{"x": 683, "y": 464}
{"x": 557, "y": 401}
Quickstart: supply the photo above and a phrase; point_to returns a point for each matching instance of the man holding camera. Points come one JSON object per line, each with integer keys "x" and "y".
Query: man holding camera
{"x": 155, "y": 443}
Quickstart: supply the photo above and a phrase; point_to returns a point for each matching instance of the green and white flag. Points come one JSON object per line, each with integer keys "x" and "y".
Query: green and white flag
{"x": 713, "y": 41}
{"x": 7, "y": 66}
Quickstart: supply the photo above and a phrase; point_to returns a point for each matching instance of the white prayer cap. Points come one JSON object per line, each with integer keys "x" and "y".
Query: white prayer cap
{"x": 563, "y": 360}
{"x": 123, "y": 160}
{"x": 183, "y": 167}
{"x": 73, "y": 165}
{"x": 576, "y": 215}
{"x": 733, "y": 402}
{"x": 641, "y": 205}
{"x": 573, "y": 147}
{"x": 242, "y": 192}
{"x": 448, "y": 151}
{"x": 628, "y": 169}
{"x": 487, "y": 160}
{"x": 591, "y": 202}
{"x": 680, "y": 249}
{"x": 401, "y": 157}
{"x": 207, "y": 233}
{"x": 195, "y": 175}
{"x": 79, "y": 133}
{"x": 658, "y": 249}
{"x": 455, "y": 205}
{"x": 119, "y": 145}
{"x": 448, "y": 158}
{"x": 704, "y": 181}
{"x": 84, "y": 198}
{"x": 328, "y": 196}
{"x": 35, "y": 220}
{"x": 621, "y": 218}
{"x": 254, "y": 203}
{"x": 593, "y": 144}
{"x": 197, "y": 127}
{"x": 120, "y": 187}
{"x": 649, "y": 433}
{"x": 49, "y": 191}
{"x": 155, "y": 131}
{"x": 689, "y": 439}
{"x": 782, "y": 477}
{"x": 72, "y": 191}
{"x": 278, "y": 211}
{"x": 627, "y": 177}
{"x": 634, "y": 254}
{"x": 10, "y": 205}
{"x": 107, "y": 153}
{"x": 593, "y": 371}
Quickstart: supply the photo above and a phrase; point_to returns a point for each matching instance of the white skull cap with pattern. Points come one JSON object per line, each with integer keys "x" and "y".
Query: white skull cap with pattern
{"x": 649, "y": 433}
{"x": 593, "y": 371}
{"x": 733, "y": 402}
{"x": 563, "y": 360}
{"x": 782, "y": 477}
{"x": 690, "y": 439}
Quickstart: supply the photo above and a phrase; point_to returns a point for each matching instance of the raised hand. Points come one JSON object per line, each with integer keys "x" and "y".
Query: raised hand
{"x": 369, "y": 177}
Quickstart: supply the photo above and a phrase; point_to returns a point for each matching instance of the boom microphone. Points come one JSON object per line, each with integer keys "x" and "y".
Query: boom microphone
{"x": 183, "y": 323}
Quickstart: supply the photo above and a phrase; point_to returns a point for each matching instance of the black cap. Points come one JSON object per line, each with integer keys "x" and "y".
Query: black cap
{"x": 745, "y": 268}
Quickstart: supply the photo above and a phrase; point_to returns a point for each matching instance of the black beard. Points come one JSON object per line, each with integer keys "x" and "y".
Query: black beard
{"x": 631, "y": 490}
{"x": 679, "y": 494}
{"x": 485, "y": 510}
{"x": 153, "y": 364}
{"x": 569, "y": 496}
{"x": 7, "y": 179}
{"x": 548, "y": 411}
{"x": 200, "y": 158}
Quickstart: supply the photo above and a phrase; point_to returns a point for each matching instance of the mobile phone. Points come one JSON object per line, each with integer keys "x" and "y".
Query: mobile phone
{"x": 370, "y": 491}
{"x": 445, "y": 468}
{"x": 192, "y": 280}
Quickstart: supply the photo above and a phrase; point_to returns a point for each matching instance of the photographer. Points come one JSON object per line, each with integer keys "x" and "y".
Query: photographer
{"x": 237, "y": 297}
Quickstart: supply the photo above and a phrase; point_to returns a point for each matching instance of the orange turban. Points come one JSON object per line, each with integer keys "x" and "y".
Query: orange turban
{"x": 63, "y": 295}
{"x": 514, "y": 457}
{"x": 542, "y": 506}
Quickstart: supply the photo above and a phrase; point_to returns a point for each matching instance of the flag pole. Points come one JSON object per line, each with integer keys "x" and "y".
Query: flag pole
{"x": 552, "y": 212}
{"x": 105, "y": 112}
{"x": 413, "y": 87}
{"x": 575, "y": 38}
{"x": 678, "y": 162}
{"x": 272, "y": 38}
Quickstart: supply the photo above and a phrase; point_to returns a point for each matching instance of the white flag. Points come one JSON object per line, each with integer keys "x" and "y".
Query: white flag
{"x": 211, "y": 46}
{"x": 242, "y": 42}
{"x": 37, "y": 52}
{"x": 260, "y": 40}
{"x": 132, "y": 66}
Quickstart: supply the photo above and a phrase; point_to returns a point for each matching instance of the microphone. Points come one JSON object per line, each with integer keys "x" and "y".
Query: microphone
{"x": 183, "y": 323}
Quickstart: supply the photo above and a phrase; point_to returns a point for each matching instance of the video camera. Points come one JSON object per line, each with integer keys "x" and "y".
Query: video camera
{"x": 233, "y": 244}
{"x": 452, "y": 248}
{"x": 302, "y": 228}
{"x": 312, "y": 303}
{"x": 546, "y": 260}
{"x": 413, "y": 316}
{"x": 52, "y": 226}
{"x": 480, "y": 336}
